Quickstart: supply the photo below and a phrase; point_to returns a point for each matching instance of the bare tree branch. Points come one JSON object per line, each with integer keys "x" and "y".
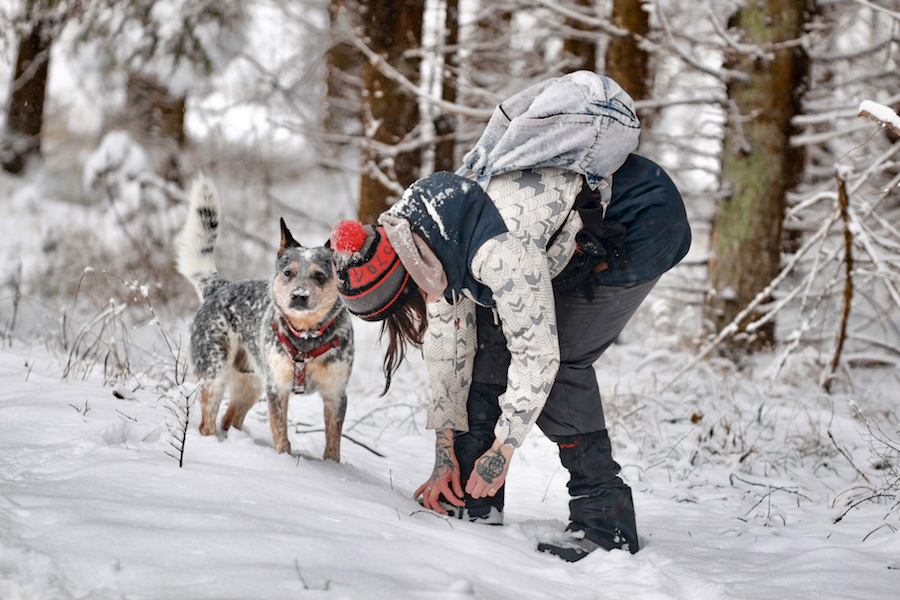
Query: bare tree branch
{"x": 844, "y": 204}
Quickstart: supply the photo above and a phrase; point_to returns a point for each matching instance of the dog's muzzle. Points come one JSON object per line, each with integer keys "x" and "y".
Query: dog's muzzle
{"x": 300, "y": 299}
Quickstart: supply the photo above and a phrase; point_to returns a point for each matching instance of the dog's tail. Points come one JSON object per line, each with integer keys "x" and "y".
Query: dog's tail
{"x": 198, "y": 238}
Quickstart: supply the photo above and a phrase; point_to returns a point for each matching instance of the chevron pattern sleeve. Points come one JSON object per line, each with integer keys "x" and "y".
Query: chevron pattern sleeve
{"x": 537, "y": 204}
{"x": 563, "y": 246}
{"x": 516, "y": 272}
{"x": 449, "y": 351}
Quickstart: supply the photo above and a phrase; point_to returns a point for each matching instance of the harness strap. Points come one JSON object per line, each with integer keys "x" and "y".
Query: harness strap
{"x": 300, "y": 358}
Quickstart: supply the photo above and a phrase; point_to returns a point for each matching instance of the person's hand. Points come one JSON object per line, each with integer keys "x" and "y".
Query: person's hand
{"x": 490, "y": 470}
{"x": 444, "y": 478}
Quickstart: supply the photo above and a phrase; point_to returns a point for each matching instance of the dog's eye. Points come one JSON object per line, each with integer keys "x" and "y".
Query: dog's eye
{"x": 288, "y": 273}
{"x": 320, "y": 277}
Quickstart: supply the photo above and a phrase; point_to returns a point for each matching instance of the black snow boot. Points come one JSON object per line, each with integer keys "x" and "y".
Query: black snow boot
{"x": 484, "y": 411}
{"x": 601, "y": 509}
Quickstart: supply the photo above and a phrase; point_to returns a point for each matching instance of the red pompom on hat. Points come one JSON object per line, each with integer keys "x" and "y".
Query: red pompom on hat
{"x": 370, "y": 277}
{"x": 348, "y": 237}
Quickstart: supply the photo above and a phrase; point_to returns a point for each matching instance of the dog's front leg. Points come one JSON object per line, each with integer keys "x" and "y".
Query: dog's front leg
{"x": 278, "y": 419}
{"x": 335, "y": 409}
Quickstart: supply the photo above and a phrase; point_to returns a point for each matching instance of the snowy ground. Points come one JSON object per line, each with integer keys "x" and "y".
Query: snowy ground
{"x": 745, "y": 488}
{"x": 741, "y": 481}
{"x": 91, "y": 505}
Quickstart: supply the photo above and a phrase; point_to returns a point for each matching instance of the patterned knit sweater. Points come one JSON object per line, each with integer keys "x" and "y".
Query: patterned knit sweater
{"x": 516, "y": 267}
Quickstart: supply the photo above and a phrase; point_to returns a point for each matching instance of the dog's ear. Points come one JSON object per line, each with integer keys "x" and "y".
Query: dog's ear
{"x": 287, "y": 240}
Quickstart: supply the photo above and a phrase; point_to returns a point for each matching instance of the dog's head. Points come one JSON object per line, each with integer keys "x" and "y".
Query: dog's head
{"x": 304, "y": 288}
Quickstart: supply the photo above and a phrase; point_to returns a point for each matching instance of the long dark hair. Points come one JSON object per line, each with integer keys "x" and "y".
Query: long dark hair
{"x": 406, "y": 326}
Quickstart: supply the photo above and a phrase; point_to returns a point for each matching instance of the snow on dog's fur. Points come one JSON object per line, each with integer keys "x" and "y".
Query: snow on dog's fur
{"x": 256, "y": 336}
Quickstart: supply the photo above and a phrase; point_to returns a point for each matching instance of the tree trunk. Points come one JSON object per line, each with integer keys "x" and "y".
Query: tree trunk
{"x": 583, "y": 51}
{"x": 626, "y": 63}
{"x": 759, "y": 166}
{"x": 25, "y": 116}
{"x": 445, "y": 124}
{"x": 344, "y": 74}
{"x": 151, "y": 110}
{"x": 156, "y": 118}
{"x": 390, "y": 113}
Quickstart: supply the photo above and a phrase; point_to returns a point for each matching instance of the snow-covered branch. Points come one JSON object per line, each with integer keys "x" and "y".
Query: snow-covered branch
{"x": 390, "y": 72}
{"x": 881, "y": 114}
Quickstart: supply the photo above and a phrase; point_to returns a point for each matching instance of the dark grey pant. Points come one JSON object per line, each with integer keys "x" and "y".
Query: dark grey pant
{"x": 573, "y": 415}
{"x": 586, "y": 330}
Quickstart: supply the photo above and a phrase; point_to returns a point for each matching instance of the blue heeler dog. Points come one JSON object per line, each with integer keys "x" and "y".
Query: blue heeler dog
{"x": 290, "y": 334}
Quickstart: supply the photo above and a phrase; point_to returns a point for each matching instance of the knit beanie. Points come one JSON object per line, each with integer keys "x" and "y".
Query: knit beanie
{"x": 370, "y": 277}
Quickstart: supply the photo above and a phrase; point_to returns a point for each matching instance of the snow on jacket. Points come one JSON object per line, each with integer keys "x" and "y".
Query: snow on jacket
{"x": 511, "y": 270}
{"x": 582, "y": 121}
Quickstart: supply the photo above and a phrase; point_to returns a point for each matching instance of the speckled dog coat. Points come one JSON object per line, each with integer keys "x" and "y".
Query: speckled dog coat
{"x": 290, "y": 333}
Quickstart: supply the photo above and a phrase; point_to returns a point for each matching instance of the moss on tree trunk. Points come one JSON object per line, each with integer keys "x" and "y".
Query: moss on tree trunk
{"x": 759, "y": 166}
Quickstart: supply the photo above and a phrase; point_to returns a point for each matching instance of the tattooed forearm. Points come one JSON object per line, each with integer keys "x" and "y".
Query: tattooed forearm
{"x": 443, "y": 456}
{"x": 491, "y": 465}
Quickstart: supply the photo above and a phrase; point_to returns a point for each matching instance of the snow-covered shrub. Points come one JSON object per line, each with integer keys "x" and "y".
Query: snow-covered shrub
{"x": 879, "y": 480}
{"x": 113, "y": 171}
{"x": 126, "y": 230}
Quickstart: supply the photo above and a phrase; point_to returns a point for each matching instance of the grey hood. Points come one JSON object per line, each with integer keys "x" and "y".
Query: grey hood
{"x": 581, "y": 122}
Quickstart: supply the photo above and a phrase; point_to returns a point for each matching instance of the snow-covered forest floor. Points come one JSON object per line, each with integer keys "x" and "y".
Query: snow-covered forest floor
{"x": 750, "y": 481}
{"x": 745, "y": 487}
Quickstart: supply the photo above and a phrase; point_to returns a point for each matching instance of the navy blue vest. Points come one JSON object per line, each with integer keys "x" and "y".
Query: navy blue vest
{"x": 455, "y": 218}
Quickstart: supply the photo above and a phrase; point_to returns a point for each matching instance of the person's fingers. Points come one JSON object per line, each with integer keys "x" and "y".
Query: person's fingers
{"x": 449, "y": 495}
{"x": 421, "y": 489}
{"x": 430, "y": 498}
{"x": 479, "y": 488}
{"x": 457, "y": 484}
{"x": 475, "y": 486}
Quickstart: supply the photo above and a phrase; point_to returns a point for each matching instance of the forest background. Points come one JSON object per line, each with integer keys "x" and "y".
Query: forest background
{"x": 318, "y": 111}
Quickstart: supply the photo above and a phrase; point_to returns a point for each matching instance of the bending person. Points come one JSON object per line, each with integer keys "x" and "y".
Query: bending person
{"x": 453, "y": 244}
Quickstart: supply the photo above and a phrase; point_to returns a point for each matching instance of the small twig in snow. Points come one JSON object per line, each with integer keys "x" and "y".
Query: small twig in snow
{"x": 343, "y": 435}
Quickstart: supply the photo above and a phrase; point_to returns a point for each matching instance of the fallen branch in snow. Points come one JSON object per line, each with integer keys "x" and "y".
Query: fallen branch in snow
{"x": 771, "y": 488}
{"x": 324, "y": 588}
{"x": 445, "y": 518}
{"x": 870, "y": 498}
{"x": 767, "y": 497}
{"x": 343, "y": 435}
{"x": 889, "y": 526}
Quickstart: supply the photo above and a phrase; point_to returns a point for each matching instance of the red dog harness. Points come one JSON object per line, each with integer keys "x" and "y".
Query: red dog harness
{"x": 300, "y": 358}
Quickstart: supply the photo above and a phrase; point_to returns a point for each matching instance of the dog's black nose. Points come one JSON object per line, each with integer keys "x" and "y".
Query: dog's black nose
{"x": 299, "y": 299}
